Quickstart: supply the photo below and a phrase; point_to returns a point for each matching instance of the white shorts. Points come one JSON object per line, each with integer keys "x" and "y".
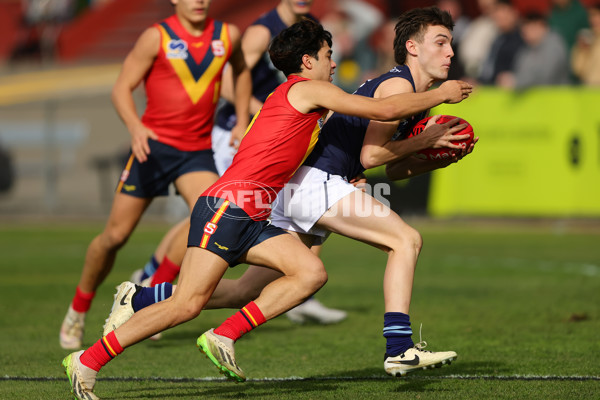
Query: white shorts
{"x": 222, "y": 151}
{"x": 305, "y": 198}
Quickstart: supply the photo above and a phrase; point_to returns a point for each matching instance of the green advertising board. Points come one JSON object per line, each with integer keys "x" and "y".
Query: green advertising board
{"x": 538, "y": 155}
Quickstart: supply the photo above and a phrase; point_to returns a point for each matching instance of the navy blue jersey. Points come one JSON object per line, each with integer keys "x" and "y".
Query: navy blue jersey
{"x": 265, "y": 77}
{"x": 340, "y": 142}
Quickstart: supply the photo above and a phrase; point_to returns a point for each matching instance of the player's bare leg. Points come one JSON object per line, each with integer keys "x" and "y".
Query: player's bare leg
{"x": 312, "y": 310}
{"x": 171, "y": 250}
{"x": 362, "y": 217}
{"x": 99, "y": 260}
{"x": 141, "y": 276}
{"x": 303, "y": 275}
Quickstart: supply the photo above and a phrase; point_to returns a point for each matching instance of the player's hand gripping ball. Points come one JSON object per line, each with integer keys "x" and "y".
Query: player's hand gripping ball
{"x": 444, "y": 152}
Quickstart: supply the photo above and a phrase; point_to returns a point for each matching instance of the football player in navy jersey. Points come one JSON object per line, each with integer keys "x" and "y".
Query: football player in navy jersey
{"x": 349, "y": 145}
{"x": 321, "y": 198}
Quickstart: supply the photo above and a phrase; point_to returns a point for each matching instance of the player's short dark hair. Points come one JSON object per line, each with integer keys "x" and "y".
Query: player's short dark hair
{"x": 412, "y": 25}
{"x": 288, "y": 47}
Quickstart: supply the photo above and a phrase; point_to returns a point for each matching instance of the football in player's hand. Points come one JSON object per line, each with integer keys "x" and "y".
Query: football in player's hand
{"x": 444, "y": 152}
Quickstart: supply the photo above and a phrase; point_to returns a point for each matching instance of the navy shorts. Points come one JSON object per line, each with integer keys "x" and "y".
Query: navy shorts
{"x": 225, "y": 229}
{"x": 164, "y": 165}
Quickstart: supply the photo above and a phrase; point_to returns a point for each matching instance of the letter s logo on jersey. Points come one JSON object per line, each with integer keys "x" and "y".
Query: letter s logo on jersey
{"x": 218, "y": 48}
{"x": 210, "y": 228}
{"x": 177, "y": 49}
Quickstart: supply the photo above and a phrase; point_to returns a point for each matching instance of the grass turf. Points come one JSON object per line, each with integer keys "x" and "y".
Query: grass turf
{"x": 519, "y": 303}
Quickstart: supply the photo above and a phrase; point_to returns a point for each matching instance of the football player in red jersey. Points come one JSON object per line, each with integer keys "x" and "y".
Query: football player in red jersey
{"x": 165, "y": 263}
{"x": 180, "y": 60}
{"x": 229, "y": 222}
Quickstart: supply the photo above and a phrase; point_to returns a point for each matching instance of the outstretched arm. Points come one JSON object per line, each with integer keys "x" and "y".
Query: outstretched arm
{"x": 309, "y": 95}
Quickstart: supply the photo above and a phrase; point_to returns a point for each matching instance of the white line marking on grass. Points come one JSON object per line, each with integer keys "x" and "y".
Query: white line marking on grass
{"x": 323, "y": 378}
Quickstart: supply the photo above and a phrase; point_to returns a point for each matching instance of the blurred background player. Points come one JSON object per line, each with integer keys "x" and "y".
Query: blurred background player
{"x": 265, "y": 78}
{"x": 181, "y": 60}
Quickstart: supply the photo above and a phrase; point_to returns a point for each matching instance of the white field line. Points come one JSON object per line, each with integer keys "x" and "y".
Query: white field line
{"x": 324, "y": 378}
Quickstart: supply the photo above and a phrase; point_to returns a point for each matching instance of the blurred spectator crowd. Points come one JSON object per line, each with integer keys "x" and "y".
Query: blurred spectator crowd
{"x": 41, "y": 25}
{"x": 500, "y": 45}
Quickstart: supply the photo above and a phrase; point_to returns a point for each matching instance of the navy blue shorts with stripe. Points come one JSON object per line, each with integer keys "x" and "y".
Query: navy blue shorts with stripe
{"x": 164, "y": 165}
{"x": 225, "y": 229}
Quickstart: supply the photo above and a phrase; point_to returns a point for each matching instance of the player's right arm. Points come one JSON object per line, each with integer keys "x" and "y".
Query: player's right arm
{"x": 137, "y": 63}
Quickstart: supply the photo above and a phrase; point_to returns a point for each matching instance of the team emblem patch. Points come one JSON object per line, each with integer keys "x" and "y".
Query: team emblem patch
{"x": 177, "y": 48}
{"x": 218, "y": 48}
{"x": 321, "y": 122}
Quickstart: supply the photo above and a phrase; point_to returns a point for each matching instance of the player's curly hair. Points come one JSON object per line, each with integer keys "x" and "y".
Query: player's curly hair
{"x": 412, "y": 25}
{"x": 288, "y": 47}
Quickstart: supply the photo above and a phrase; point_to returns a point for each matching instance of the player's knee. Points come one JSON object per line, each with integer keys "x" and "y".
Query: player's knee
{"x": 314, "y": 275}
{"x": 416, "y": 240}
{"x": 115, "y": 238}
{"x": 408, "y": 240}
{"x": 188, "y": 310}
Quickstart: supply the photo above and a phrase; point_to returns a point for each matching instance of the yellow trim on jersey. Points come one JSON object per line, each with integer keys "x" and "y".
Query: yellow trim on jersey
{"x": 196, "y": 89}
{"x": 314, "y": 138}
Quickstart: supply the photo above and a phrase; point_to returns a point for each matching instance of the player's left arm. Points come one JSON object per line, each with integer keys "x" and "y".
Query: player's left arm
{"x": 242, "y": 83}
{"x": 412, "y": 166}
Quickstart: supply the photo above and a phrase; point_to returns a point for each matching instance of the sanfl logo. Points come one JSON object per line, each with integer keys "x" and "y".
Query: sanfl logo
{"x": 177, "y": 48}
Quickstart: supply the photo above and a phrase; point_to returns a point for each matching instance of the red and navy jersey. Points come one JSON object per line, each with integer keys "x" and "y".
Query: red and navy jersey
{"x": 183, "y": 85}
{"x": 277, "y": 141}
{"x": 340, "y": 144}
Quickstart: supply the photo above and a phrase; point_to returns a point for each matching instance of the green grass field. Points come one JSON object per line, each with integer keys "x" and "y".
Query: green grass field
{"x": 518, "y": 302}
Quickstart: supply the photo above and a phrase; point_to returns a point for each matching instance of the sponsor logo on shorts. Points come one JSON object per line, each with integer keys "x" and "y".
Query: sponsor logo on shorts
{"x": 129, "y": 188}
{"x": 221, "y": 247}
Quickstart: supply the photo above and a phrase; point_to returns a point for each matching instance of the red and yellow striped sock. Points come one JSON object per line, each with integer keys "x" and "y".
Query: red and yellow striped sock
{"x": 101, "y": 352}
{"x": 241, "y": 322}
